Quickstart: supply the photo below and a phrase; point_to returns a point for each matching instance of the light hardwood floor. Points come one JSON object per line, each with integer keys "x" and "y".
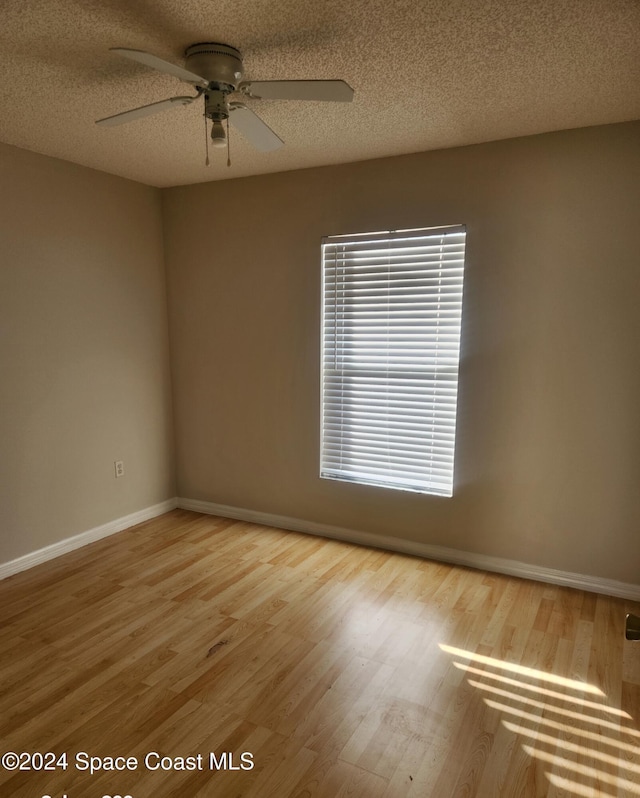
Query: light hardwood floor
{"x": 344, "y": 671}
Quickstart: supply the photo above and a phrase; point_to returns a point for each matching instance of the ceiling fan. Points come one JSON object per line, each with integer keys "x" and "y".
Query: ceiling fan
{"x": 215, "y": 71}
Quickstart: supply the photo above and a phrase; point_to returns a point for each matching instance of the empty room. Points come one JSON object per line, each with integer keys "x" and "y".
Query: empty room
{"x": 320, "y": 399}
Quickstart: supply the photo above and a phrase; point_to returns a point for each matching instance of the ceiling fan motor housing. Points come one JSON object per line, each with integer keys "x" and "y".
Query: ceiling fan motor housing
{"x": 220, "y": 64}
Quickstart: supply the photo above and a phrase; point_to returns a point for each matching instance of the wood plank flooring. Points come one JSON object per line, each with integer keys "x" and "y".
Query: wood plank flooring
{"x": 343, "y": 671}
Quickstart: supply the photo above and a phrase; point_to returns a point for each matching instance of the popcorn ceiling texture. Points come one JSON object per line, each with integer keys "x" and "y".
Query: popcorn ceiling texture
{"x": 428, "y": 74}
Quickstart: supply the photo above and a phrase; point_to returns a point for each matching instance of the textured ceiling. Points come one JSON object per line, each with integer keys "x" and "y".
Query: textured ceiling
{"x": 427, "y": 74}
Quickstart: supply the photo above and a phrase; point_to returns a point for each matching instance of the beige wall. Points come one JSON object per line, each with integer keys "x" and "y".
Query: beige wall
{"x": 548, "y": 452}
{"x": 84, "y": 370}
{"x": 548, "y": 455}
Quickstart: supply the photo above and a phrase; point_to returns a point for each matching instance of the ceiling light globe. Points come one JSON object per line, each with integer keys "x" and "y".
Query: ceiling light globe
{"x": 218, "y": 136}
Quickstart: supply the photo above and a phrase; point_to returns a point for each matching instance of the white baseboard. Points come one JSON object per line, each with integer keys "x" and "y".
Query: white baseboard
{"x": 77, "y": 541}
{"x": 594, "y": 584}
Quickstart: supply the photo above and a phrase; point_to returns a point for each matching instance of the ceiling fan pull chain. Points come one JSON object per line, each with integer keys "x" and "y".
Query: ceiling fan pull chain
{"x": 228, "y": 145}
{"x": 206, "y": 142}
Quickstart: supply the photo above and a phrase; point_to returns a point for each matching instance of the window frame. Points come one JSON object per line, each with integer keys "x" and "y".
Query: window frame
{"x": 442, "y": 378}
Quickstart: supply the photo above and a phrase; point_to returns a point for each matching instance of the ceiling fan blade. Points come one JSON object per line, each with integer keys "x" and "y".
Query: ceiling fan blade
{"x": 145, "y": 110}
{"x": 253, "y": 128}
{"x": 319, "y": 90}
{"x": 161, "y": 65}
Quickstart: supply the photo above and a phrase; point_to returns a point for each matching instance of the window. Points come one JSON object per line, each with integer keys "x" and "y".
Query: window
{"x": 392, "y": 306}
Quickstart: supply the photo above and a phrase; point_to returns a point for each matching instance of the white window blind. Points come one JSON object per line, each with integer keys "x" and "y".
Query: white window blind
{"x": 392, "y": 305}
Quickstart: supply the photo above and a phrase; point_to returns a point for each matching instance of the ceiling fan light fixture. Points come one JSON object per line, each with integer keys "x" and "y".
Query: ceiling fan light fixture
{"x": 215, "y": 70}
{"x": 218, "y": 135}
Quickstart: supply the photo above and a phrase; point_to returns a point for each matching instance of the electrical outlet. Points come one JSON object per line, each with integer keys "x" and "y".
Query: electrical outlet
{"x": 119, "y": 468}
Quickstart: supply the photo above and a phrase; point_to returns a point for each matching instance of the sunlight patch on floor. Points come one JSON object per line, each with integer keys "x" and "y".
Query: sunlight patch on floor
{"x": 575, "y": 788}
{"x": 584, "y": 770}
{"x": 522, "y": 670}
{"x": 556, "y": 710}
{"x": 590, "y": 748}
{"x": 563, "y": 728}
{"x": 544, "y": 691}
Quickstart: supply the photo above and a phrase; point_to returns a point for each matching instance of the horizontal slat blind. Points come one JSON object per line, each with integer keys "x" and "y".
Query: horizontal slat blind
{"x": 392, "y": 305}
